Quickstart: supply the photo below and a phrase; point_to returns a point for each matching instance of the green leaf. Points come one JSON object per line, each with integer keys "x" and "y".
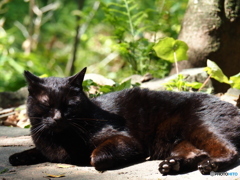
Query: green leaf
{"x": 118, "y": 11}
{"x": 194, "y": 85}
{"x": 124, "y": 85}
{"x": 4, "y": 170}
{"x": 139, "y": 18}
{"x": 215, "y": 72}
{"x": 87, "y": 84}
{"x": 133, "y": 7}
{"x": 27, "y": 126}
{"x": 106, "y": 89}
{"x": 43, "y": 76}
{"x": 116, "y": 4}
{"x": 166, "y": 48}
{"x": 235, "y": 81}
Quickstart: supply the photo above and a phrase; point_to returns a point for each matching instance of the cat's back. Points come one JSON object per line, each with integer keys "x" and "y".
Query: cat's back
{"x": 138, "y": 97}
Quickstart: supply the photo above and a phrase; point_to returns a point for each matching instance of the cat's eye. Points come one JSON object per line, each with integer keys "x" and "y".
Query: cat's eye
{"x": 73, "y": 101}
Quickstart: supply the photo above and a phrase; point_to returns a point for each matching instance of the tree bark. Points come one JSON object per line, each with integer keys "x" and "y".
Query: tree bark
{"x": 212, "y": 31}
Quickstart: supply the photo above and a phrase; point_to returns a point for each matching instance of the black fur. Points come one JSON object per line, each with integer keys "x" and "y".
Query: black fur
{"x": 187, "y": 130}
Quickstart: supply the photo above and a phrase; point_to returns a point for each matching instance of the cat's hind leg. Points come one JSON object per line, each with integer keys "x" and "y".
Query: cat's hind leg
{"x": 221, "y": 151}
{"x": 115, "y": 152}
{"x": 184, "y": 157}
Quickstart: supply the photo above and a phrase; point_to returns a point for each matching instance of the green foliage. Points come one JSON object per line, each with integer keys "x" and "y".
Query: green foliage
{"x": 136, "y": 27}
{"x": 4, "y": 170}
{"x": 171, "y": 50}
{"x": 129, "y": 23}
{"x": 42, "y": 40}
{"x": 27, "y": 126}
{"x": 234, "y": 81}
{"x": 117, "y": 87}
{"x": 215, "y": 72}
{"x": 16, "y": 51}
{"x": 103, "y": 89}
{"x": 180, "y": 84}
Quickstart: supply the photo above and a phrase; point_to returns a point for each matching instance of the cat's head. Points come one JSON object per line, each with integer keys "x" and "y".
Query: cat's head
{"x": 54, "y": 101}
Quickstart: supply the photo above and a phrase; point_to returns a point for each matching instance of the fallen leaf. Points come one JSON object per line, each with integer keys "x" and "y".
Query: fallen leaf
{"x": 64, "y": 166}
{"x": 55, "y": 176}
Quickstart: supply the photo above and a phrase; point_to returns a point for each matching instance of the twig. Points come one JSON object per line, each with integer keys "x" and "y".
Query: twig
{"x": 175, "y": 60}
{"x": 205, "y": 82}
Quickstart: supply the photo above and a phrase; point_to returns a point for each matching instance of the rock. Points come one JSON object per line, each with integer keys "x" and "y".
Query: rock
{"x": 13, "y": 99}
{"x": 233, "y": 92}
{"x": 232, "y": 96}
{"x": 99, "y": 79}
{"x": 191, "y": 75}
{"x": 136, "y": 78}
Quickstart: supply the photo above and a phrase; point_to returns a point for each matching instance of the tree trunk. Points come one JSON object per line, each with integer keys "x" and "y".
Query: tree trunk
{"x": 212, "y": 31}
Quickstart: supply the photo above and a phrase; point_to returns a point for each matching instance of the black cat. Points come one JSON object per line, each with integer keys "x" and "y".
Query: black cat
{"x": 187, "y": 130}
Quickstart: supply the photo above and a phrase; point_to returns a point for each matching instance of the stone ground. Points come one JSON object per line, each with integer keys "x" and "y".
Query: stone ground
{"x": 14, "y": 140}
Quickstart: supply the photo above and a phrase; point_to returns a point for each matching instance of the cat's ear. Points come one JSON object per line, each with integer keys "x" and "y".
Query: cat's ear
{"x": 34, "y": 83}
{"x": 31, "y": 78}
{"x": 77, "y": 79}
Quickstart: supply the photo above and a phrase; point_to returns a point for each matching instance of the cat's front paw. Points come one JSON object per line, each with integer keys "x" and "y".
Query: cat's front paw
{"x": 170, "y": 165}
{"x": 28, "y": 157}
{"x": 206, "y": 166}
{"x": 18, "y": 159}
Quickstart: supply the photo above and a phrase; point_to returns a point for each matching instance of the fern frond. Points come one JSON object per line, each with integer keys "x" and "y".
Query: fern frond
{"x": 127, "y": 2}
{"x": 118, "y": 11}
{"x": 133, "y": 7}
{"x": 142, "y": 29}
{"x": 135, "y": 16}
{"x": 116, "y": 5}
{"x": 138, "y": 18}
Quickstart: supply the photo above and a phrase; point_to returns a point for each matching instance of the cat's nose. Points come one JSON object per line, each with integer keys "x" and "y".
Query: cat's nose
{"x": 57, "y": 114}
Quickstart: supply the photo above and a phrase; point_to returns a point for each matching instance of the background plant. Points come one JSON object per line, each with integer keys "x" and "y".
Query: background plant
{"x": 103, "y": 89}
{"x": 173, "y": 50}
{"x": 129, "y": 23}
{"x": 215, "y": 72}
{"x": 39, "y": 35}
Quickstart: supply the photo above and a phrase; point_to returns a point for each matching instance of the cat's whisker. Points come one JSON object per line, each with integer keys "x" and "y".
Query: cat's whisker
{"x": 87, "y": 119}
{"x": 76, "y": 127}
{"x": 37, "y": 131}
{"x": 37, "y": 124}
{"x": 41, "y": 131}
